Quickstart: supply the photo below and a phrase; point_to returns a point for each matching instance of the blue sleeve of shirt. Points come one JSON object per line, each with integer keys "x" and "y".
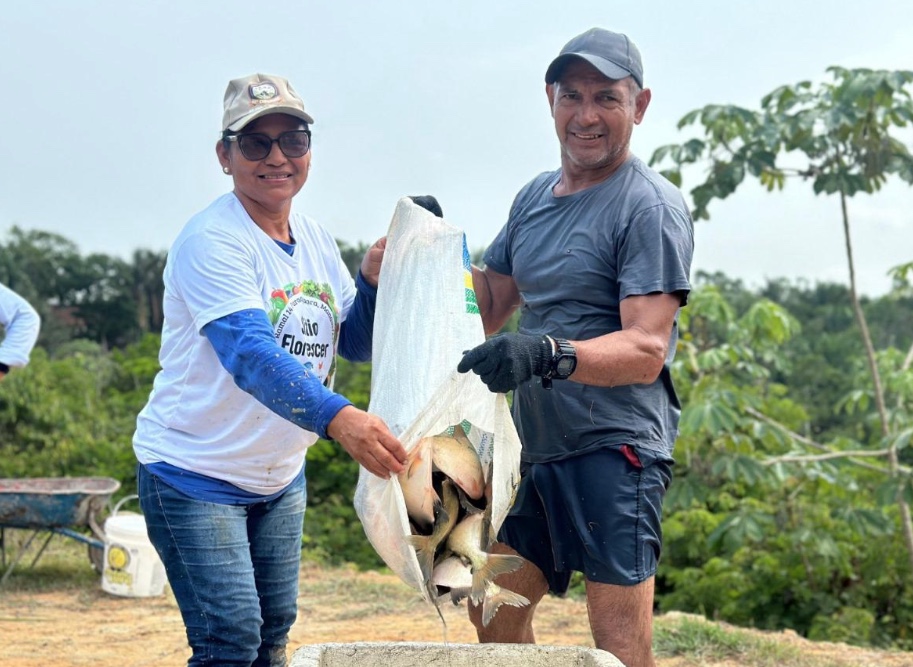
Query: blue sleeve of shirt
{"x": 357, "y": 332}
{"x": 246, "y": 346}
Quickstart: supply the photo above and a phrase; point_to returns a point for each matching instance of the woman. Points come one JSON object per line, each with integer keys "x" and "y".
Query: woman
{"x": 257, "y": 303}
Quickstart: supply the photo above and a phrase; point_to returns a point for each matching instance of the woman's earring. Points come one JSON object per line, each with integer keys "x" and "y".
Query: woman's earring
{"x": 226, "y": 170}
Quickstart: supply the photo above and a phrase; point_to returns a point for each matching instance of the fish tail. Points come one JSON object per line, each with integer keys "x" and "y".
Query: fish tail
{"x": 494, "y": 599}
{"x": 495, "y": 565}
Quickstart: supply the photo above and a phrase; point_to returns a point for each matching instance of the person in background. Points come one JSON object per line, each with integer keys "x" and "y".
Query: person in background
{"x": 597, "y": 256}
{"x": 257, "y": 304}
{"x": 21, "y": 326}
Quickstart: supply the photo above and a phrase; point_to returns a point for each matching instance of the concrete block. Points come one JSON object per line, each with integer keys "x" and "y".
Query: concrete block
{"x": 422, "y": 654}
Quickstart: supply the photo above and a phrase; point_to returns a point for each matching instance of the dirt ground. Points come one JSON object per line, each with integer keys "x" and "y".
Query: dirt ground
{"x": 86, "y": 626}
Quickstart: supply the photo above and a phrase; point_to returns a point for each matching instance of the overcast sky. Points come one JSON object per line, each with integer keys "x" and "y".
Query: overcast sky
{"x": 111, "y": 111}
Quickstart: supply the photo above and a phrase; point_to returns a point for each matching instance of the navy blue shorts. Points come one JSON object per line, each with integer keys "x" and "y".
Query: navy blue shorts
{"x": 598, "y": 513}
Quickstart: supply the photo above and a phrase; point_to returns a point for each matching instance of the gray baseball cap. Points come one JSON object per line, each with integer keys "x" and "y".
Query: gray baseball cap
{"x": 250, "y": 97}
{"x": 611, "y": 53}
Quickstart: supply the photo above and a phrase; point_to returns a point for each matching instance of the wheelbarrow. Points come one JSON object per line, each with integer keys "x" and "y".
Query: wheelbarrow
{"x": 51, "y": 506}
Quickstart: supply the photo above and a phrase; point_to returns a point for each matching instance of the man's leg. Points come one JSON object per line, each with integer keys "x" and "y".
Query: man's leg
{"x": 604, "y": 512}
{"x": 512, "y": 625}
{"x": 621, "y": 619}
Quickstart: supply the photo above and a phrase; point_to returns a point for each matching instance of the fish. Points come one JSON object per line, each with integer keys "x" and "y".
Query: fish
{"x": 471, "y": 538}
{"x": 453, "y": 574}
{"x": 458, "y": 459}
{"x": 426, "y": 546}
{"x": 415, "y": 480}
{"x": 451, "y": 533}
{"x": 495, "y": 596}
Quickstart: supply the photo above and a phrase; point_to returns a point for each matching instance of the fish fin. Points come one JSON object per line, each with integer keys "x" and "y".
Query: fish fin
{"x": 495, "y": 596}
{"x": 457, "y": 595}
{"x": 498, "y": 564}
{"x": 466, "y": 504}
{"x": 486, "y": 533}
{"x": 426, "y": 546}
{"x": 495, "y": 565}
{"x": 423, "y": 553}
{"x": 460, "y": 435}
{"x": 416, "y": 457}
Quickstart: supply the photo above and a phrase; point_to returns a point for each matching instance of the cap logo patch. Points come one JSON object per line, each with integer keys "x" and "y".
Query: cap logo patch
{"x": 263, "y": 91}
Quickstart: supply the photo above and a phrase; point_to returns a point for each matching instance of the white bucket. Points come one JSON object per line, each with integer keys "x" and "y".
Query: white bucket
{"x": 132, "y": 567}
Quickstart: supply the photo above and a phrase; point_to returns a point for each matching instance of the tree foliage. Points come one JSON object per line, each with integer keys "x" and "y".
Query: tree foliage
{"x": 765, "y": 526}
{"x": 842, "y": 129}
{"x": 845, "y": 132}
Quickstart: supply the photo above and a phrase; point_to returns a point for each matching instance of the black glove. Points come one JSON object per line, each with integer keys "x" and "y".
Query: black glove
{"x": 429, "y": 203}
{"x": 507, "y": 360}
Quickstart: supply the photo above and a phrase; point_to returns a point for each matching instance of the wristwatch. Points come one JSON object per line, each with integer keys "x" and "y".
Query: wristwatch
{"x": 564, "y": 362}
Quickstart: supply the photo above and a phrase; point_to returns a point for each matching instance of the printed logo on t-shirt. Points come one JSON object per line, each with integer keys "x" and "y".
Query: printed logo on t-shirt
{"x": 306, "y": 322}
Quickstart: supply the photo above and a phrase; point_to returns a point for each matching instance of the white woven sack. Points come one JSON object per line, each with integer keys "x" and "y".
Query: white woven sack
{"x": 426, "y": 317}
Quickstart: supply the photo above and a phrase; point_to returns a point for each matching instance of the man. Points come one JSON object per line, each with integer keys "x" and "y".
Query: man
{"x": 597, "y": 256}
{"x": 21, "y": 325}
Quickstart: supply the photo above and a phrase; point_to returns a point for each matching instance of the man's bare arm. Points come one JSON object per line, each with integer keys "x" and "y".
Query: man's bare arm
{"x": 497, "y": 296}
{"x": 634, "y": 355}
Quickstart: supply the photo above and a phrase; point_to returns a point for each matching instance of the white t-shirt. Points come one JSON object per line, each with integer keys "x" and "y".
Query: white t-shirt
{"x": 222, "y": 262}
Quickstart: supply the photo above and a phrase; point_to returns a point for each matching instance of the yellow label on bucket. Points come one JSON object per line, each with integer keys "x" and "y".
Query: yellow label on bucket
{"x": 118, "y": 557}
{"x": 119, "y": 577}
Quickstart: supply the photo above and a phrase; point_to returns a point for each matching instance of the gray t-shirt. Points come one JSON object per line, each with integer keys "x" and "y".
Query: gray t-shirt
{"x": 574, "y": 259}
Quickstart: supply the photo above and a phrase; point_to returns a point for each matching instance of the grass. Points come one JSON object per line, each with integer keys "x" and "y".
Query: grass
{"x": 702, "y": 642}
{"x": 693, "y": 637}
{"x": 63, "y": 565}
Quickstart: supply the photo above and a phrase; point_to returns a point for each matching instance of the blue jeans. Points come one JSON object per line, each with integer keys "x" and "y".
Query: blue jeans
{"x": 233, "y": 570}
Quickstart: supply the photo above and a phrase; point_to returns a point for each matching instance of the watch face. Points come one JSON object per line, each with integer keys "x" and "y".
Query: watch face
{"x": 565, "y": 366}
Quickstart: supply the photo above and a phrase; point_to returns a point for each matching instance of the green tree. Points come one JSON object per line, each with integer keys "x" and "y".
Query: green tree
{"x": 842, "y": 128}
{"x": 147, "y": 289}
{"x": 764, "y": 526}
{"x": 57, "y": 417}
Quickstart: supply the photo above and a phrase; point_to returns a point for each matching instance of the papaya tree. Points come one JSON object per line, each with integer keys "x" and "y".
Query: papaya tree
{"x": 843, "y": 131}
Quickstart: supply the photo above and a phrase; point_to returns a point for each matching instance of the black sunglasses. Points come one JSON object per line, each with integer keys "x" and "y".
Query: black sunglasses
{"x": 256, "y": 146}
